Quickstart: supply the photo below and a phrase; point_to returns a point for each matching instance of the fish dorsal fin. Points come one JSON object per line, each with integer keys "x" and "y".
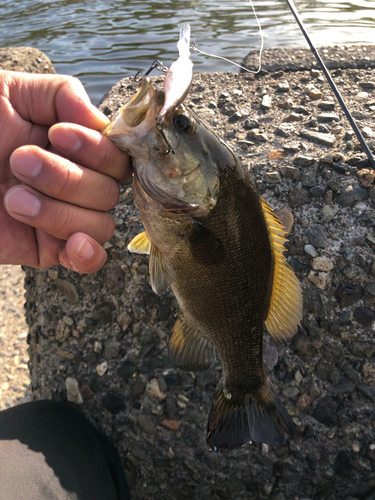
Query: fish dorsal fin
{"x": 161, "y": 275}
{"x": 140, "y": 244}
{"x": 285, "y": 312}
{"x": 188, "y": 349}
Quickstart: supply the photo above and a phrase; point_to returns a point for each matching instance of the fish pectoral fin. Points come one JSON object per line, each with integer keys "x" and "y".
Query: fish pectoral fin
{"x": 205, "y": 246}
{"x": 140, "y": 244}
{"x": 161, "y": 275}
{"x": 259, "y": 418}
{"x": 188, "y": 349}
{"x": 285, "y": 312}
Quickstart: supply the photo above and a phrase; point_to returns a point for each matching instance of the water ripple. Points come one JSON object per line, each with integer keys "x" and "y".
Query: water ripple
{"x": 101, "y": 41}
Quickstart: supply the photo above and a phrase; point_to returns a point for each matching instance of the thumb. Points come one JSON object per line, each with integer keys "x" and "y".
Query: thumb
{"x": 48, "y": 99}
{"x": 74, "y": 106}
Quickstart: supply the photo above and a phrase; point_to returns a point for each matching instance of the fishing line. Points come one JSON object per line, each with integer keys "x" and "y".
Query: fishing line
{"x": 194, "y": 48}
{"x": 332, "y": 84}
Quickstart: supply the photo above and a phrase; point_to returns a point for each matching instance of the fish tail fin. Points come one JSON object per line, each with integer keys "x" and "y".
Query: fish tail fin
{"x": 260, "y": 418}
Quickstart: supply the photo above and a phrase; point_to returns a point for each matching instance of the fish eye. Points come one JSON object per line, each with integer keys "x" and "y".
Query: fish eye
{"x": 182, "y": 122}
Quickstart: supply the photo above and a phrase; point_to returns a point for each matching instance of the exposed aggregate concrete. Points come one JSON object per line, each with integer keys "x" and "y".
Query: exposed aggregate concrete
{"x": 14, "y": 372}
{"x": 26, "y": 59}
{"x": 101, "y": 340}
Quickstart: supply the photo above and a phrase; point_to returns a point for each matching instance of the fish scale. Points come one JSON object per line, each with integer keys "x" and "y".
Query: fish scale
{"x": 230, "y": 299}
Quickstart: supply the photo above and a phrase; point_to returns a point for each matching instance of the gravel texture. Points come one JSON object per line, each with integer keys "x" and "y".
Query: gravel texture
{"x": 101, "y": 340}
{"x": 14, "y": 372}
{"x": 25, "y": 59}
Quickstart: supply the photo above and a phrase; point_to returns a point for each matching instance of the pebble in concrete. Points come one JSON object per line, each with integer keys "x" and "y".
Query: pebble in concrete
{"x": 73, "y": 392}
{"x": 153, "y": 390}
{"x": 320, "y": 279}
{"x": 322, "y": 264}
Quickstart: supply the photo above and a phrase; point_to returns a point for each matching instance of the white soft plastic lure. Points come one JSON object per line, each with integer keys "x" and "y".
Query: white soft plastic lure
{"x": 178, "y": 77}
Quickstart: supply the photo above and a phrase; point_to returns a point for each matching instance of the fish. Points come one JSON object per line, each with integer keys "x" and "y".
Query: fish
{"x": 216, "y": 242}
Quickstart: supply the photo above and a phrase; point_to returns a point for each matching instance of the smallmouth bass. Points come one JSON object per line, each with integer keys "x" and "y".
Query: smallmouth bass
{"x": 217, "y": 243}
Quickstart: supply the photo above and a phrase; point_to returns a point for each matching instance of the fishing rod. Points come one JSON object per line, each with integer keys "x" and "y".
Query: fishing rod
{"x": 332, "y": 83}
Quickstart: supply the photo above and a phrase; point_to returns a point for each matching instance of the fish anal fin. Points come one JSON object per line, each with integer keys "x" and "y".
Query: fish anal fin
{"x": 285, "y": 311}
{"x": 206, "y": 247}
{"x": 161, "y": 275}
{"x": 188, "y": 349}
{"x": 259, "y": 418}
{"x": 140, "y": 244}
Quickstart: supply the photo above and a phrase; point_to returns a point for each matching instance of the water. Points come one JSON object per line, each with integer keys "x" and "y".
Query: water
{"x": 101, "y": 41}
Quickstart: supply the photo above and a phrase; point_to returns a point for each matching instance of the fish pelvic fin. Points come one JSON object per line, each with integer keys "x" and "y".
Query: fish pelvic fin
{"x": 140, "y": 244}
{"x": 285, "y": 312}
{"x": 259, "y": 418}
{"x": 188, "y": 349}
{"x": 161, "y": 275}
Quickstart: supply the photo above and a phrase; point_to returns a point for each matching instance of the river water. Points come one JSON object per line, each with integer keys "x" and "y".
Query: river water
{"x": 101, "y": 41}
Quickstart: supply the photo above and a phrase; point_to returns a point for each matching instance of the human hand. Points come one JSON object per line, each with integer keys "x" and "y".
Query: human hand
{"x": 55, "y": 183}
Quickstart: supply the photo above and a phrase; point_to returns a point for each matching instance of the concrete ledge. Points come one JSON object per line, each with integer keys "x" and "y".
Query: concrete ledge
{"x": 109, "y": 332}
{"x": 300, "y": 59}
{"x": 25, "y": 59}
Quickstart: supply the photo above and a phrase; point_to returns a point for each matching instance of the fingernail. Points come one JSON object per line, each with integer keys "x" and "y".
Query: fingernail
{"x": 65, "y": 139}
{"x": 22, "y": 202}
{"x": 85, "y": 249}
{"x": 25, "y": 163}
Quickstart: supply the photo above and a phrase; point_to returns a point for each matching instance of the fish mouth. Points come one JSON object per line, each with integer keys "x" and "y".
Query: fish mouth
{"x": 175, "y": 179}
{"x": 136, "y": 119}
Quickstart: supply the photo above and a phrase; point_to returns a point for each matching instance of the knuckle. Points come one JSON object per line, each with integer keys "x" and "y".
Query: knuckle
{"x": 111, "y": 195}
{"x": 65, "y": 221}
{"x": 70, "y": 87}
{"x": 111, "y": 160}
{"x": 108, "y": 227}
{"x": 67, "y": 184}
{"x": 4, "y": 85}
{"x": 106, "y": 158}
{"x": 46, "y": 259}
{"x": 72, "y": 82}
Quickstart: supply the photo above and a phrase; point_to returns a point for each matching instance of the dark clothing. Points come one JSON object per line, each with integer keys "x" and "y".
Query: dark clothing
{"x": 49, "y": 451}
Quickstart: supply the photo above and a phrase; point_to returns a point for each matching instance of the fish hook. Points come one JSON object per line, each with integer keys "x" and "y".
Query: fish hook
{"x": 155, "y": 65}
{"x": 159, "y": 127}
{"x": 193, "y": 46}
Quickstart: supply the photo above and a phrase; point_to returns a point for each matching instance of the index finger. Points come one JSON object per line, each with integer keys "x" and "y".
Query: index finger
{"x": 48, "y": 99}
